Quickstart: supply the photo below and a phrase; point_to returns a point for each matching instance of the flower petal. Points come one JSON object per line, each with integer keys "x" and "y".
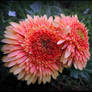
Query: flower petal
{"x": 60, "y": 42}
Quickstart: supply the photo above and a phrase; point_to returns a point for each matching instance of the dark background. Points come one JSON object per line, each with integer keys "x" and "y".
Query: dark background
{"x": 70, "y": 79}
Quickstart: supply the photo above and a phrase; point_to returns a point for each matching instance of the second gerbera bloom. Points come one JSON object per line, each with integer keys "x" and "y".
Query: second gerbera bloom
{"x": 75, "y": 47}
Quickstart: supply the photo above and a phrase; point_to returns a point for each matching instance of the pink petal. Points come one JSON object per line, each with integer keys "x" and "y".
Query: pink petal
{"x": 60, "y": 42}
{"x": 32, "y": 70}
{"x": 11, "y": 36}
{"x": 18, "y": 28}
{"x": 75, "y": 65}
{"x": 54, "y": 66}
{"x": 21, "y": 54}
{"x": 67, "y": 53}
{"x": 65, "y": 60}
{"x": 14, "y": 53}
{"x": 21, "y": 59}
{"x": 10, "y": 41}
{"x": 12, "y": 63}
{"x": 18, "y": 70}
{"x": 69, "y": 62}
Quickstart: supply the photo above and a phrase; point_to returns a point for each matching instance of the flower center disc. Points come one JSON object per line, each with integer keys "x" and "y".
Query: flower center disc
{"x": 43, "y": 46}
{"x": 80, "y": 33}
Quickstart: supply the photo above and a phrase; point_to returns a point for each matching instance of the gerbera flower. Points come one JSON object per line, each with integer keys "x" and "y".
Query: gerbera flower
{"x": 75, "y": 47}
{"x": 32, "y": 49}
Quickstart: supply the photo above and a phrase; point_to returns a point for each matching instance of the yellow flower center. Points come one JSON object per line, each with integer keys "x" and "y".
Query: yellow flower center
{"x": 80, "y": 33}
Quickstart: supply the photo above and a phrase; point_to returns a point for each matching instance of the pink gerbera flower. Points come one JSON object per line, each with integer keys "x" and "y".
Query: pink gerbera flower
{"x": 32, "y": 49}
{"x": 75, "y": 47}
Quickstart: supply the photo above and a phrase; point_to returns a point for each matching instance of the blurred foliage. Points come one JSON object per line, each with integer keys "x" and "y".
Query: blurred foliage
{"x": 70, "y": 79}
